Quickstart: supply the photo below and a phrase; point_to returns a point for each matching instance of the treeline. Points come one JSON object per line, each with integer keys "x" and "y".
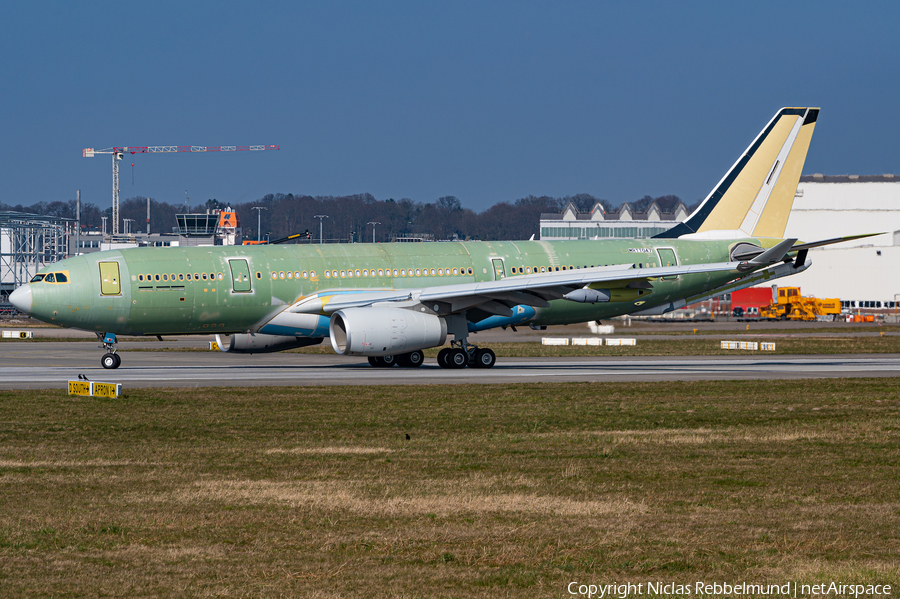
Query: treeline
{"x": 348, "y": 217}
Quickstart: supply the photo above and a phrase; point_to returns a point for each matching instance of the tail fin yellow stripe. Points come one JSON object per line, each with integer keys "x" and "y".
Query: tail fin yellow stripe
{"x": 774, "y": 217}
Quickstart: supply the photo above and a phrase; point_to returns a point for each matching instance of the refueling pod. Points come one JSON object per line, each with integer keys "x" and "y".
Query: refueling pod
{"x": 384, "y": 331}
{"x": 256, "y": 343}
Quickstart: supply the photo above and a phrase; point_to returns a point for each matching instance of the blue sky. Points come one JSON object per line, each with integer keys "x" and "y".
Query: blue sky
{"x": 487, "y": 101}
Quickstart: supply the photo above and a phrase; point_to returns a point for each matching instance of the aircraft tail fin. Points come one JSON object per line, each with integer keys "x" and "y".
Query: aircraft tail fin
{"x": 755, "y": 197}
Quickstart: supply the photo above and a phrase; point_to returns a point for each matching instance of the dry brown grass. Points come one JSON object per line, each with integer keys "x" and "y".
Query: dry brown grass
{"x": 510, "y": 490}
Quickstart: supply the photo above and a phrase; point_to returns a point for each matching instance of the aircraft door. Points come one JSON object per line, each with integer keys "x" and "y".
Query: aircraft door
{"x": 499, "y": 269}
{"x": 109, "y": 279}
{"x": 240, "y": 276}
{"x": 667, "y": 258}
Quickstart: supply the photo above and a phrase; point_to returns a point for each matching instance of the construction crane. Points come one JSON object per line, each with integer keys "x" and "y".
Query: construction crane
{"x": 118, "y": 153}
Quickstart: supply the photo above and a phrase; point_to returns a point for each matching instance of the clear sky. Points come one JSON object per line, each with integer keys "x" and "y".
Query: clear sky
{"x": 487, "y": 101}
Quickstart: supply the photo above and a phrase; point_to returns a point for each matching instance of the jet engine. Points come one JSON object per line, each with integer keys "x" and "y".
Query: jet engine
{"x": 255, "y": 343}
{"x": 384, "y": 331}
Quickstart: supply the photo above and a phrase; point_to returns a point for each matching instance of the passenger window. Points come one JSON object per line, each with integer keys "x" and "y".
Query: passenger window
{"x": 51, "y": 278}
{"x": 61, "y": 278}
{"x": 470, "y": 271}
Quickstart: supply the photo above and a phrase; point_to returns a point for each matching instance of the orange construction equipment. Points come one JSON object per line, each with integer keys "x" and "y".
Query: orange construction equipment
{"x": 788, "y": 304}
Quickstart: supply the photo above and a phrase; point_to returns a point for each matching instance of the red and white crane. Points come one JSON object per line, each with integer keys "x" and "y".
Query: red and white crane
{"x": 118, "y": 153}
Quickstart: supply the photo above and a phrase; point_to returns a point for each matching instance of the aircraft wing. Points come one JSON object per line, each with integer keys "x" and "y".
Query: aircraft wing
{"x": 497, "y": 297}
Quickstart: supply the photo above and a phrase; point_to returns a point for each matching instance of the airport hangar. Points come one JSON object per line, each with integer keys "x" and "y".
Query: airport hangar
{"x": 864, "y": 272}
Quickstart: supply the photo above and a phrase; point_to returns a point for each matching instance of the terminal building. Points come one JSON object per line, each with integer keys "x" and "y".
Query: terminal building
{"x": 625, "y": 223}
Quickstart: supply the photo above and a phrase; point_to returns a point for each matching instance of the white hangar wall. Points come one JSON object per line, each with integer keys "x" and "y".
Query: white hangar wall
{"x": 835, "y": 206}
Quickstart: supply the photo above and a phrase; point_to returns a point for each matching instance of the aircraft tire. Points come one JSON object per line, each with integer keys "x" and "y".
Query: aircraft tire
{"x": 411, "y": 360}
{"x": 110, "y": 361}
{"x": 442, "y": 358}
{"x": 375, "y": 362}
{"x": 484, "y": 358}
{"x": 388, "y": 361}
{"x": 457, "y": 358}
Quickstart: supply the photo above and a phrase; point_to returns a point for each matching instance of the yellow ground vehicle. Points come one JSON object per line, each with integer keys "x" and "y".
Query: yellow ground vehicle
{"x": 788, "y": 304}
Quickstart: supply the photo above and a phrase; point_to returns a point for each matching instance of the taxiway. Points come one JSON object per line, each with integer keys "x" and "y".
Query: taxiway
{"x": 50, "y": 364}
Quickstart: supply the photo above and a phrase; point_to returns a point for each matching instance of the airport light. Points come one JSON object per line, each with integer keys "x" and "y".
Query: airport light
{"x": 320, "y": 217}
{"x": 259, "y": 210}
{"x": 373, "y": 223}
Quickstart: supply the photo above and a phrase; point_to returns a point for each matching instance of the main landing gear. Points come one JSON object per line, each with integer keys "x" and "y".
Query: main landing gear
{"x": 110, "y": 359}
{"x": 462, "y": 354}
{"x": 459, "y": 355}
{"x": 411, "y": 360}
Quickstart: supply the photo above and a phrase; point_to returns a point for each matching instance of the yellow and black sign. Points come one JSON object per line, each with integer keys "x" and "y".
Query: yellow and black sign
{"x": 95, "y": 389}
{"x": 106, "y": 389}
{"x": 79, "y": 388}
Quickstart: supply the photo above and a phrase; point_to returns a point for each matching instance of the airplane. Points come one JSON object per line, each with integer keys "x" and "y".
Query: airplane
{"x": 388, "y": 302}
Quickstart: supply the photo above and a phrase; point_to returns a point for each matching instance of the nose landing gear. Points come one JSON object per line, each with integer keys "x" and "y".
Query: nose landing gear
{"x": 110, "y": 359}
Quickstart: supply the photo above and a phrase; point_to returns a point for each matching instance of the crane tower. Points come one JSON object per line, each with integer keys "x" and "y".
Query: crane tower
{"x": 118, "y": 153}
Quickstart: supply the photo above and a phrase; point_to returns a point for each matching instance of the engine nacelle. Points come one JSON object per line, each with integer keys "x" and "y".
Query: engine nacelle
{"x": 256, "y": 343}
{"x": 384, "y": 331}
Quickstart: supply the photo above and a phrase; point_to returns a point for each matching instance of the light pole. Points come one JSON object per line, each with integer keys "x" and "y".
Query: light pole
{"x": 320, "y": 217}
{"x": 259, "y": 210}
{"x": 373, "y": 223}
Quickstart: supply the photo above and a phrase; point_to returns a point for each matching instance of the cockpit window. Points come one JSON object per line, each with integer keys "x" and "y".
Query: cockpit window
{"x": 50, "y": 278}
{"x": 61, "y": 278}
{"x": 37, "y": 278}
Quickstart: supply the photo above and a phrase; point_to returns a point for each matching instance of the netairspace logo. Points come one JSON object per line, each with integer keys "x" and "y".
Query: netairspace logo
{"x": 624, "y": 590}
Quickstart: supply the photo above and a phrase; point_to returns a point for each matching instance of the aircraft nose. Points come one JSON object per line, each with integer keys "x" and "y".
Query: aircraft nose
{"x": 21, "y": 299}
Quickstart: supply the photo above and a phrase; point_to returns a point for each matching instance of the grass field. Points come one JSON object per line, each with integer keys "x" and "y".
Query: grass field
{"x": 502, "y": 490}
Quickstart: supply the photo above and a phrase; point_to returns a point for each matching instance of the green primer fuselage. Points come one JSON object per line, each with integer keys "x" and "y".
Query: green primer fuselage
{"x": 156, "y": 297}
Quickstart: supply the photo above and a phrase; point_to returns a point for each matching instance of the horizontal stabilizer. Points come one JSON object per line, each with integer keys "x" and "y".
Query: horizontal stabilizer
{"x": 816, "y": 244}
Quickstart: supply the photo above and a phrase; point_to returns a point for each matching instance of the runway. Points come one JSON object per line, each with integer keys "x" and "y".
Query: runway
{"x": 48, "y": 365}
